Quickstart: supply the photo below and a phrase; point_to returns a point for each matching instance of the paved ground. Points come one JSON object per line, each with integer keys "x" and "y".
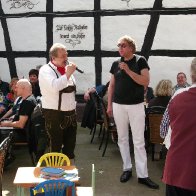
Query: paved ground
{"x": 108, "y": 169}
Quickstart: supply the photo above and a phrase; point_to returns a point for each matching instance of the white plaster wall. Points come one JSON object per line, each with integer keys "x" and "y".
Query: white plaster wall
{"x": 176, "y": 33}
{"x": 4, "y": 70}
{"x": 87, "y": 79}
{"x": 106, "y": 66}
{"x": 27, "y": 34}
{"x": 2, "y": 41}
{"x": 126, "y": 4}
{"x": 167, "y": 68}
{"x": 68, "y": 5}
{"x": 23, "y": 65}
{"x": 81, "y": 28}
{"x": 113, "y": 27}
{"x": 179, "y": 3}
{"x": 23, "y": 6}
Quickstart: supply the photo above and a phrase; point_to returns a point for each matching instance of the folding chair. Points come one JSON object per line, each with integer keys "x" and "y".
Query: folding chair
{"x": 98, "y": 118}
{"x": 107, "y": 129}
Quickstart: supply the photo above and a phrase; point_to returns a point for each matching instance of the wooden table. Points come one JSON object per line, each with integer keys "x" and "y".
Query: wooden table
{"x": 27, "y": 177}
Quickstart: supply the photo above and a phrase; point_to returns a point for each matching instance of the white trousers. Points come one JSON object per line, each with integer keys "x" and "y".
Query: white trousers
{"x": 135, "y": 116}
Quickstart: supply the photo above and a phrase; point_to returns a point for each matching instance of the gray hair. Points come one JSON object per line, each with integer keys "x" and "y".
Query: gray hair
{"x": 54, "y": 49}
{"x": 129, "y": 40}
{"x": 193, "y": 70}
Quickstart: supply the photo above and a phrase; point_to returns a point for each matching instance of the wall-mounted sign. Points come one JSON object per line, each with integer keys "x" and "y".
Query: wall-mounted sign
{"x": 75, "y": 33}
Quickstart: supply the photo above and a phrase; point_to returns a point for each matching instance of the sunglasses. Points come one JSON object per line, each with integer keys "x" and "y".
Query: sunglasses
{"x": 122, "y": 45}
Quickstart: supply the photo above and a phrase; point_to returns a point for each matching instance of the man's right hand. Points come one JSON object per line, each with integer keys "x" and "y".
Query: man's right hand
{"x": 70, "y": 69}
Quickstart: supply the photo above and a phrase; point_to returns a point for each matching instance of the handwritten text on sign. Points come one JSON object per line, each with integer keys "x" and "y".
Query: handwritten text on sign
{"x": 72, "y": 34}
{"x": 15, "y": 4}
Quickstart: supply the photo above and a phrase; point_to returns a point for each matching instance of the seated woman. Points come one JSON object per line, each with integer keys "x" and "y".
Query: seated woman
{"x": 8, "y": 100}
{"x": 163, "y": 93}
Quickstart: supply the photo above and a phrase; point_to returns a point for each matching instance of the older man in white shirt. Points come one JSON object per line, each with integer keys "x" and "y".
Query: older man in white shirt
{"x": 58, "y": 89}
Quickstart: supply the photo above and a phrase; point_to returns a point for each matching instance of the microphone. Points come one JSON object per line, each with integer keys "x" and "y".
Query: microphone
{"x": 77, "y": 69}
{"x": 120, "y": 61}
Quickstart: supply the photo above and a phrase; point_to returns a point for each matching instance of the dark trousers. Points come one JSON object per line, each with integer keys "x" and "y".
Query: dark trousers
{"x": 176, "y": 191}
{"x": 61, "y": 128}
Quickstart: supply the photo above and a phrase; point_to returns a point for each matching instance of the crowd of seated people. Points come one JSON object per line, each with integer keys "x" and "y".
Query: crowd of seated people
{"x": 9, "y": 101}
{"x": 17, "y": 106}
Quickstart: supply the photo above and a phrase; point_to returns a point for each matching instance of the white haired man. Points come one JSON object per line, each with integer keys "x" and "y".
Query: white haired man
{"x": 58, "y": 89}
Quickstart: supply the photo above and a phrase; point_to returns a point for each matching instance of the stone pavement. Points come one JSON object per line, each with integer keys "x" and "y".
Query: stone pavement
{"x": 108, "y": 169}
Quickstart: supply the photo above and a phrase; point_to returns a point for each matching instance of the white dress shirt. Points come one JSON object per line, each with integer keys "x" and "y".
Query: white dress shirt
{"x": 50, "y": 86}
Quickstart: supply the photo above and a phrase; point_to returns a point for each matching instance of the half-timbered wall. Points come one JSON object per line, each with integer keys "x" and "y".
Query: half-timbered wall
{"x": 164, "y": 31}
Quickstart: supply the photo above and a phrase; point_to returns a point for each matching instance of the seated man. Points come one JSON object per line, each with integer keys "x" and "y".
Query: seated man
{"x": 101, "y": 90}
{"x": 89, "y": 115}
{"x": 23, "y": 114}
{"x": 181, "y": 82}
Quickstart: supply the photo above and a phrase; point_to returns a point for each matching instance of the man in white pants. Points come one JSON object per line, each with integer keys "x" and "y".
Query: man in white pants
{"x": 125, "y": 102}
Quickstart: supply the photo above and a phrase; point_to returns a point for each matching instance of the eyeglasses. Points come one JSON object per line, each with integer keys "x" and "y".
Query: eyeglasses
{"x": 63, "y": 56}
{"x": 122, "y": 45}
